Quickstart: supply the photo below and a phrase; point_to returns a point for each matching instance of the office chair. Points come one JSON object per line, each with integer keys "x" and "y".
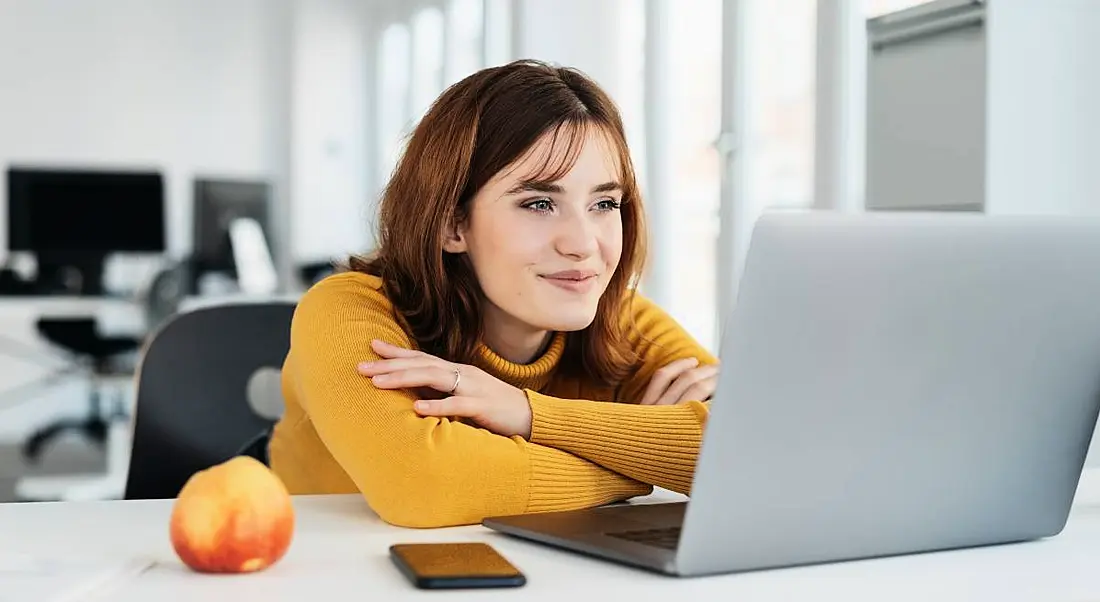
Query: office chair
{"x": 200, "y": 381}
{"x": 104, "y": 357}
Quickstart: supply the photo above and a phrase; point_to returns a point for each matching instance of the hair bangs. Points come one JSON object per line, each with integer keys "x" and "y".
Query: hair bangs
{"x": 566, "y": 143}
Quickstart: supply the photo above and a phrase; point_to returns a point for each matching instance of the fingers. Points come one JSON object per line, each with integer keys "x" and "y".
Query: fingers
{"x": 399, "y": 364}
{"x": 436, "y": 377}
{"x": 409, "y": 369}
{"x": 463, "y": 407}
{"x": 389, "y": 350}
{"x": 700, "y": 391}
{"x": 685, "y": 381}
{"x": 663, "y": 377}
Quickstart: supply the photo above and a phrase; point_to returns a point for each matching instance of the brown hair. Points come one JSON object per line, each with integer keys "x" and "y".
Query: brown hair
{"x": 476, "y": 128}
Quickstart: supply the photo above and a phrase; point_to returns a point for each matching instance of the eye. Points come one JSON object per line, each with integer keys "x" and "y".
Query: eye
{"x": 542, "y": 205}
{"x": 608, "y": 205}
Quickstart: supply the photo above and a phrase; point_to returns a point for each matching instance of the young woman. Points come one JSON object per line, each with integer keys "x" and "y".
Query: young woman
{"x": 492, "y": 357}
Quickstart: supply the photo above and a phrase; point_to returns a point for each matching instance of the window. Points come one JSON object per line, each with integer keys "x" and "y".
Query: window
{"x": 631, "y": 100}
{"x": 695, "y": 47}
{"x": 427, "y": 60}
{"x": 782, "y": 48}
{"x": 392, "y": 100}
{"x": 778, "y": 140}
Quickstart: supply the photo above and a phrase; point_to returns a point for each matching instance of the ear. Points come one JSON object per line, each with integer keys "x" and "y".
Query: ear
{"x": 454, "y": 241}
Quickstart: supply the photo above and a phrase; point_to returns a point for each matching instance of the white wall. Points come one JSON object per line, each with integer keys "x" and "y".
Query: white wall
{"x": 331, "y": 210}
{"x": 189, "y": 87}
{"x": 185, "y": 86}
{"x": 1044, "y": 90}
{"x": 550, "y": 30}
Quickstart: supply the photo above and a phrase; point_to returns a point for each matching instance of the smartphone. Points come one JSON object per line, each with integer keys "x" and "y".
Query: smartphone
{"x": 455, "y": 565}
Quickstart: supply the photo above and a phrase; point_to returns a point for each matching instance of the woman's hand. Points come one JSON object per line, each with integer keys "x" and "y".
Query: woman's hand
{"x": 680, "y": 381}
{"x": 484, "y": 399}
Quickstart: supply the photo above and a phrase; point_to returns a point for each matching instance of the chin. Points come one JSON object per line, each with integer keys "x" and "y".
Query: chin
{"x": 567, "y": 319}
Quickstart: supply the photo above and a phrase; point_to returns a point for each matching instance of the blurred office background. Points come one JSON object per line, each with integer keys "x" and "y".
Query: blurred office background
{"x": 163, "y": 154}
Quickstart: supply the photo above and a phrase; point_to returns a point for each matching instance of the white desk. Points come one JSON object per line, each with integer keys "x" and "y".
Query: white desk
{"x": 340, "y": 552}
{"x": 116, "y": 316}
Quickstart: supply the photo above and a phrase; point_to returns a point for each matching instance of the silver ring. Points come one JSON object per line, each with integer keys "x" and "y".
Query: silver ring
{"x": 458, "y": 379}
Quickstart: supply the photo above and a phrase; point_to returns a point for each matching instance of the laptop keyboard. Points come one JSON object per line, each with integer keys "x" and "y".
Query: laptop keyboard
{"x": 665, "y": 537}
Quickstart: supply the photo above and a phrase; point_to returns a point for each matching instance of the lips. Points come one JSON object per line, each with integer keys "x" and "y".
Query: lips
{"x": 574, "y": 281}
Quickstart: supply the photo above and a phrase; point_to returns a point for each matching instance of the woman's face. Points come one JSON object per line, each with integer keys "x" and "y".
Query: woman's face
{"x": 544, "y": 252}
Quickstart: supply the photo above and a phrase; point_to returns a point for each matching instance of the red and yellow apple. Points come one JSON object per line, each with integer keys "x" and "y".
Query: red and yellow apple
{"x": 235, "y": 517}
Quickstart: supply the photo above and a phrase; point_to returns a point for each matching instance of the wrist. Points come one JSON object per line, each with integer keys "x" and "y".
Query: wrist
{"x": 528, "y": 415}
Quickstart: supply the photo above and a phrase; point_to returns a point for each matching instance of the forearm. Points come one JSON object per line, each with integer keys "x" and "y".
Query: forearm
{"x": 532, "y": 478}
{"x": 415, "y": 471}
{"x": 562, "y": 481}
{"x": 430, "y": 472}
{"x": 657, "y": 445}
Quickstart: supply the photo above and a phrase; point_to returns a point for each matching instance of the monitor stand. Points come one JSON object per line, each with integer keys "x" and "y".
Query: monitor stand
{"x": 79, "y": 273}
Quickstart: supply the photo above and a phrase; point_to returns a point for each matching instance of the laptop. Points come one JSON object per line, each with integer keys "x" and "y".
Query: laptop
{"x": 890, "y": 384}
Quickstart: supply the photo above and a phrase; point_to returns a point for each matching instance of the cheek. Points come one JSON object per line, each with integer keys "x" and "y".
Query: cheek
{"x": 503, "y": 246}
{"x": 611, "y": 242}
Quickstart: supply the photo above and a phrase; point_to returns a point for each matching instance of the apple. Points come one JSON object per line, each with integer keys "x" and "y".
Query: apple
{"x": 235, "y": 517}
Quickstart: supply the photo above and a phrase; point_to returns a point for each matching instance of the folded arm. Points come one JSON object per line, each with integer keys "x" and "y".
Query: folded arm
{"x": 416, "y": 471}
{"x": 655, "y": 444}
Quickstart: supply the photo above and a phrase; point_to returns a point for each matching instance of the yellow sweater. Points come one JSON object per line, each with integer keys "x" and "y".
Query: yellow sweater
{"x": 340, "y": 434}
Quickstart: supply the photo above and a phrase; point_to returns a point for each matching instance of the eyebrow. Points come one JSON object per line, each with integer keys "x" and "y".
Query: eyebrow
{"x": 551, "y": 188}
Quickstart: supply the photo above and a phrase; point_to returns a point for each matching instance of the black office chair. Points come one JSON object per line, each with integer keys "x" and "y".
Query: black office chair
{"x": 193, "y": 393}
{"x": 104, "y": 357}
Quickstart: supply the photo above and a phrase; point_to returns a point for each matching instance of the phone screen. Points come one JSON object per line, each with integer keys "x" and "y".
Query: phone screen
{"x": 453, "y": 565}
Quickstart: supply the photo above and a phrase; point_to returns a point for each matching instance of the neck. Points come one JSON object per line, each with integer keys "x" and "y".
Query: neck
{"x": 516, "y": 343}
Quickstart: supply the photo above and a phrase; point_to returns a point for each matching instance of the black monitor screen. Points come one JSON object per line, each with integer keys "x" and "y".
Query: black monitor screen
{"x": 218, "y": 202}
{"x": 85, "y": 211}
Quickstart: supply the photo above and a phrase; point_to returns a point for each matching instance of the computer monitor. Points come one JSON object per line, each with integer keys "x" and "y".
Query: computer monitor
{"x": 71, "y": 220}
{"x": 217, "y": 204}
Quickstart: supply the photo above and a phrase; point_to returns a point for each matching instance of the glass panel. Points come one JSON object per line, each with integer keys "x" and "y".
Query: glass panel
{"x": 695, "y": 45}
{"x": 427, "y": 59}
{"x": 782, "y": 48}
{"x": 392, "y": 101}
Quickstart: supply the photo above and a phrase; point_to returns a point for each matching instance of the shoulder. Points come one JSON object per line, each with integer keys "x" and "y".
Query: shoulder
{"x": 641, "y": 316}
{"x": 346, "y": 288}
{"x": 655, "y": 335}
{"x": 345, "y": 298}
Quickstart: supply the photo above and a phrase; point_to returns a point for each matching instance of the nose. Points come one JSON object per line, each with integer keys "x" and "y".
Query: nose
{"x": 577, "y": 236}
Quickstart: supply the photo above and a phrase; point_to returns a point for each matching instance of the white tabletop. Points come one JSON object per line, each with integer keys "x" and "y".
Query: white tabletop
{"x": 340, "y": 550}
{"x": 116, "y": 316}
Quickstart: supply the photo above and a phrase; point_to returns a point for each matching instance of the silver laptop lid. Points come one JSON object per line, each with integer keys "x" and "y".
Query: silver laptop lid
{"x": 896, "y": 383}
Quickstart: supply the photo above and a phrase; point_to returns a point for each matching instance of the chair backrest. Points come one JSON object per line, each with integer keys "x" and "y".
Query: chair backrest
{"x": 193, "y": 385}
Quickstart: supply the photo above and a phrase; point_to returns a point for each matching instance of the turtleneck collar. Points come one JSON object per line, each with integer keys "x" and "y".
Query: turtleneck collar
{"x": 533, "y": 375}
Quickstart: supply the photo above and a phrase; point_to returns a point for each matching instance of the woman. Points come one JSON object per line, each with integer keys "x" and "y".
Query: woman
{"x": 465, "y": 370}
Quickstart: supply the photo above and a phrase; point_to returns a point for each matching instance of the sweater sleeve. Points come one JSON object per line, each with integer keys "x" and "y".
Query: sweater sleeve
{"x": 416, "y": 471}
{"x": 653, "y": 444}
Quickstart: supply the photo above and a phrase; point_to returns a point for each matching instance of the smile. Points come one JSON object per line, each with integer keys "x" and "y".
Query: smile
{"x": 575, "y": 283}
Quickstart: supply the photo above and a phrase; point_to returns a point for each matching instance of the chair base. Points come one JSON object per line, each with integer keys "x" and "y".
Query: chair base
{"x": 110, "y": 485}
{"x": 93, "y": 428}
{"x": 71, "y": 488}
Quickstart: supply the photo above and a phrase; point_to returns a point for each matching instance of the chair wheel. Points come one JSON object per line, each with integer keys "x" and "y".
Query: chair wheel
{"x": 32, "y": 447}
{"x": 94, "y": 429}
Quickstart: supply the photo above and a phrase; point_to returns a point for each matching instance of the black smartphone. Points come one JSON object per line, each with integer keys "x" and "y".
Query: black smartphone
{"x": 455, "y": 565}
